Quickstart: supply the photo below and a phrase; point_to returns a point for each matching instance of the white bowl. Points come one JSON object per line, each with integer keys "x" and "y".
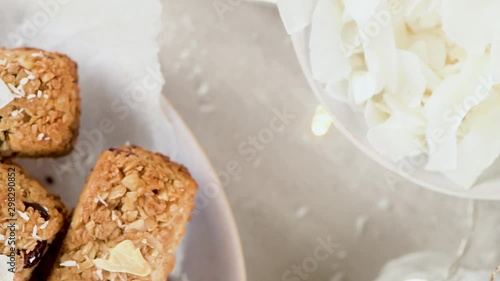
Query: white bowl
{"x": 354, "y": 127}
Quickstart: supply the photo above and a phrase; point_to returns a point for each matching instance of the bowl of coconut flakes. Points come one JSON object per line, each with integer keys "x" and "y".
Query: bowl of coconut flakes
{"x": 415, "y": 84}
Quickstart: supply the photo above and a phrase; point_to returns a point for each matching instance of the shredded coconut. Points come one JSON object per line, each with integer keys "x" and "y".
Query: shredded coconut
{"x": 23, "y": 215}
{"x": 69, "y": 263}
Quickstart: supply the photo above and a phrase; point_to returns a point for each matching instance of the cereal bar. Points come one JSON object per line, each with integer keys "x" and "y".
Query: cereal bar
{"x": 42, "y": 116}
{"x": 129, "y": 219}
{"x": 30, "y": 219}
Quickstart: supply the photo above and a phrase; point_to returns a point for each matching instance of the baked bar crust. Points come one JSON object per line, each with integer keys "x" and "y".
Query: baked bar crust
{"x": 37, "y": 216}
{"x": 129, "y": 219}
{"x": 43, "y": 118}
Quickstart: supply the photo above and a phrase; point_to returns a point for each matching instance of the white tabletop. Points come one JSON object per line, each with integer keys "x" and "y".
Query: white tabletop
{"x": 227, "y": 73}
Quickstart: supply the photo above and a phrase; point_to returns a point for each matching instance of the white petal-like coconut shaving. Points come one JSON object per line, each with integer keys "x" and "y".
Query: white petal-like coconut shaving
{"x": 296, "y": 14}
{"x": 448, "y": 106}
{"x": 363, "y": 86}
{"x": 329, "y": 63}
{"x": 416, "y": 9}
{"x": 374, "y": 114}
{"x": 431, "y": 78}
{"x": 478, "y": 149}
{"x": 361, "y": 10}
{"x": 5, "y": 94}
{"x": 471, "y": 24}
{"x": 410, "y": 81}
{"x": 431, "y": 49}
{"x": 379, "y": 46}
{"x": 495, "y": 58}
{"x": 397, "y": 137}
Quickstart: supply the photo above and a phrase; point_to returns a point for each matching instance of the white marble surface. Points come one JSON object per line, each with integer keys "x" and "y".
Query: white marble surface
{"x": 226, "y": 75}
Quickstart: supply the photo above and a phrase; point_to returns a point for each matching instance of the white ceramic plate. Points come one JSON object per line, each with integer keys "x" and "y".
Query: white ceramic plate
{"x": 211, "y": 249}
{"x": 353, "y": 126}
{"x": 120, "y": 84}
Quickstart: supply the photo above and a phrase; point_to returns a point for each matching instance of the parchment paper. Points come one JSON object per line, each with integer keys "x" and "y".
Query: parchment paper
{"x": 114, "y": 44}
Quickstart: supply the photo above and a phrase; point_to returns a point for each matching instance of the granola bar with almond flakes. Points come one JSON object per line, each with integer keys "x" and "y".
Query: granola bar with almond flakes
{"x": 129, "y": 219}
{"x": 41, "y": 117}
{"x": 30, "y": 219}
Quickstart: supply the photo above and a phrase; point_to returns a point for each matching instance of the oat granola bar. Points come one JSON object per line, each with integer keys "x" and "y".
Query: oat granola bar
{"x": 43, "y": 117}
{"x": 129, "y": 219}
{"x": 30, "y": 219}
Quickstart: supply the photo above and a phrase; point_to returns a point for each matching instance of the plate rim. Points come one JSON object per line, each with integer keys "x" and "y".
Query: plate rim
{"x": 238, "y": 272}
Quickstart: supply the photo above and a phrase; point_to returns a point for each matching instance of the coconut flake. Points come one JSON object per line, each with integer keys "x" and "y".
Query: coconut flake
{"x": 17, "y": 93}
{"x": 44, "y": 225}
{"x": 414, "y": 10}
{"x": 31, "y": 76}
{"x": 34, "y": 234}
{"x": 23, "y": 215}
{"x": 69, "y": 263}
{"x": 374, "y": 115}
{"x": 471, "y": 24}
{"x": 380, "y": 47}
{"x": 410, "y": 83}
{"x": 495, "y": 58}
{"x": 99, "y": 198}
{"x": 23, "y": 82}
{"x": 328, "y": 60}
{"x": 5, "y": 94}
{"x": 363, "y": 86}
{"x": 361, "y": 10}
{"x": 447, "y": 107}
{"x": 99, "y": 274}
{"x": 432, "y": 51}
{"x": 5, "y": 274}
{"x": 125, "y": 258}
{"x": 40, "y": 136}
{"x": 478, "y": 149}
{"x": 397, "y": 137}
{"x": 296, "y": 14}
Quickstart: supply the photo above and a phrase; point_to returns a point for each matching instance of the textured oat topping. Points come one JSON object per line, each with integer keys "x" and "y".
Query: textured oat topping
{"x": 46, "y": 103}
{"x": 129, "y": 219}
{"x": 36, "y": 227}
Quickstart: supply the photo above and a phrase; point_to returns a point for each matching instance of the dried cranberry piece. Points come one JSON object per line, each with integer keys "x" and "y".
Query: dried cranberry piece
{"x": 33, "y": 258}
{"x": 124, "y": 151}
{"x": 39, "y": 208}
